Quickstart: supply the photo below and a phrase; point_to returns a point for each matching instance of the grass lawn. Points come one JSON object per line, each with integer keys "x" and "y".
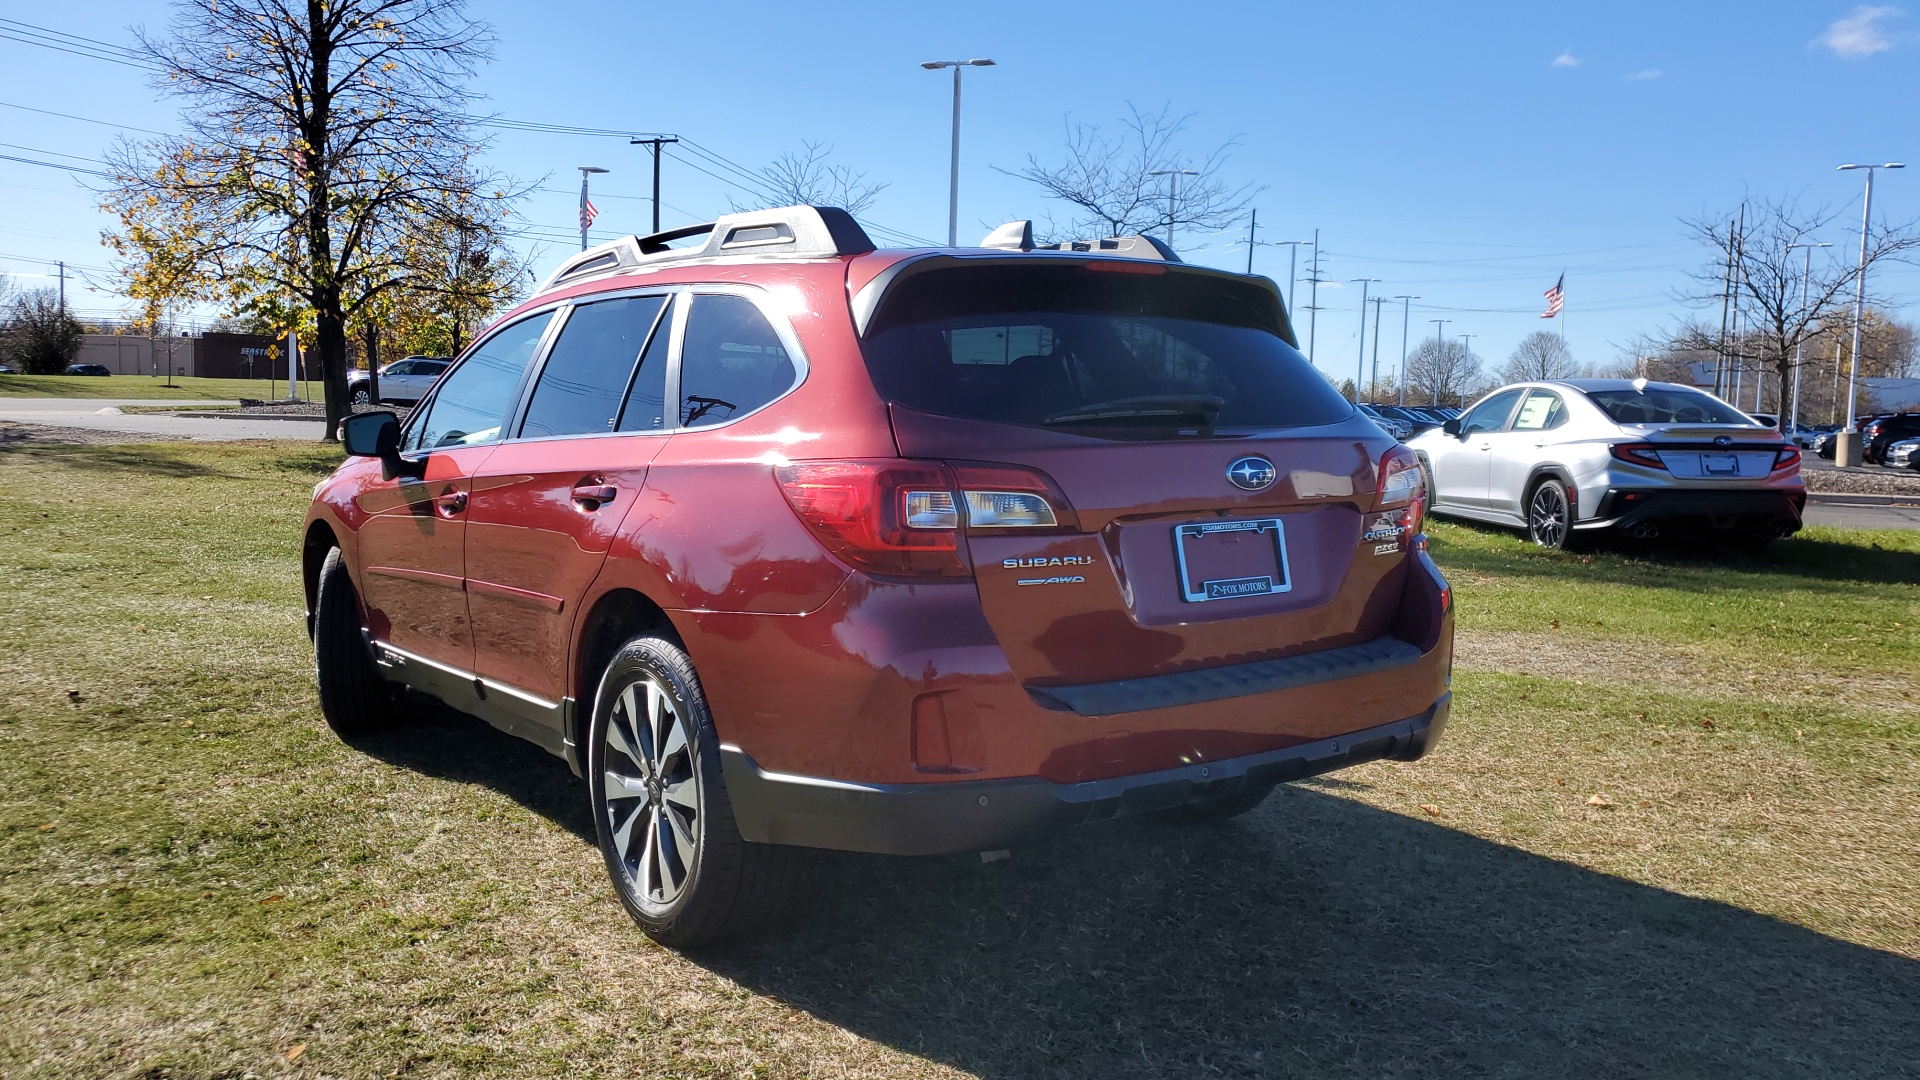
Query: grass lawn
{"x": 1673, "y": 830}
{"x": 145, "y": 386}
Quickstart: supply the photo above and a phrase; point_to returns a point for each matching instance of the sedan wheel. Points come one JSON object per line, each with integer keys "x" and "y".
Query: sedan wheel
{"x": 661, "y": 813}
{"x": 1549, "y": 518}
{"x": 362, "y": 397}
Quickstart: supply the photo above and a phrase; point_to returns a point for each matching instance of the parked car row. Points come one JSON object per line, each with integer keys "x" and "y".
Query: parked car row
{"x": 1878, "y": 437}
{"x": 1405, "y": 421}
{"x": 1565, "y": 459}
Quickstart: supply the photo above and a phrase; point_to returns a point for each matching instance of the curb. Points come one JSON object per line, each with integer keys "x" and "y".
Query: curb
{"x": 239, "y": 415}
{"x": 1843, "y": 499}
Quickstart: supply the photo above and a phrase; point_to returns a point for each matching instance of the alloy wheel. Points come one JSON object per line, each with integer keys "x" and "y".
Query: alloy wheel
{"x": 651, "y": 797}
{"x": 1547, "y": 516}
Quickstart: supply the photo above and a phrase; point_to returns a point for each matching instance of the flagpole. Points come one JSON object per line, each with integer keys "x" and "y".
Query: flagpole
{"x": 586, "y": 215}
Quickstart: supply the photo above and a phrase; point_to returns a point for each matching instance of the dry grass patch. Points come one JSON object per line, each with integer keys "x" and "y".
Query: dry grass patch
{"x": 197, "y": 879}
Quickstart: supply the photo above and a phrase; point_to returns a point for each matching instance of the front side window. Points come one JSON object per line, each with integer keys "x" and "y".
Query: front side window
{"x": 1542, "y": 410}
{"x": 731, "y": 362}
{"x": 470, "y": 406}
{"x": 586, "y": 374}
{"x": 1491, "y": 414}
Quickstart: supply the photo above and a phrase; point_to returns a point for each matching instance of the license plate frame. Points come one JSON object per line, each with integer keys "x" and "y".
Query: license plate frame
{"x": 1238, "y": 587}
{"x": 1720, "y": 464}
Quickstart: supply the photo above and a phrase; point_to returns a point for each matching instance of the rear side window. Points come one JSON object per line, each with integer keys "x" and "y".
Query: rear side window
{"x": 470, "y": 404}
{"x": 1541, "y": 411}
{"x": 1658, "y": 405}
{"x": 646, "y": 407}
{"x": 1067, "y": 348}
{"x": 587, "y": 373}
{"x": 731, "y": 362}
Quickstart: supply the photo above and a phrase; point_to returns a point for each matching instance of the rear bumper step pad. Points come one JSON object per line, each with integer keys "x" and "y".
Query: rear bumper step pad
{"x": 1232, "y": 681}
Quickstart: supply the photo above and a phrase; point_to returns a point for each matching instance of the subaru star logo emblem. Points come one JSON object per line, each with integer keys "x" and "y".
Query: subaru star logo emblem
{"x": 1723, "y": 440}
{"x": 1252, "y": 473}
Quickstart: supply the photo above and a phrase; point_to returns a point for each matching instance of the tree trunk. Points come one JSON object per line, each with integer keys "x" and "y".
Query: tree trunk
{"x": 330, "y": 334}
{"x": 373, "y": 363}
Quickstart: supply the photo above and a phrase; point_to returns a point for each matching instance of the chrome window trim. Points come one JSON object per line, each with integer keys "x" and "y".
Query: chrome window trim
{"x": 782, "y": 329}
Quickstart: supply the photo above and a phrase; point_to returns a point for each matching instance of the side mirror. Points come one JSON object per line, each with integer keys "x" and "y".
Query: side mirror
{"x": 1451, "y": 427}
{"x": 377, "y": 435}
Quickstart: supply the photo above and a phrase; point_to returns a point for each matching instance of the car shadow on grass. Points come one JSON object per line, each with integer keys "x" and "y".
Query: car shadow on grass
{"x": 1316, "y": 936}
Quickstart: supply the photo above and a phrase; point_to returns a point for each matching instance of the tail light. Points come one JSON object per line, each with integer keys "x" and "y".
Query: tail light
{"x": 903, "y": 518}
{"x": 1642, "y": 454}
{"x": 1787, "y": 458}
{"x": 1402, "y": 484}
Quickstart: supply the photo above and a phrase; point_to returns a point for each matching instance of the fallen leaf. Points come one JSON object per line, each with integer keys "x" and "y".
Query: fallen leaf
{"x": 206, "y": 894}
{"x": 298, "y": 1049}
{"x": 1707, "y": 723}
{"x": 1561, "y": 780}
{"x": 274, "y": 899}
{"x": 1556, "y": 624}
{"x": 1430, "y": 809}
{"x": 1639, "y": 716}
{"x": 1798, "y": 734}
{"x": 47, "y": 827}
{"x": 139, "y": 629}
{"x": 1644, "y": 804}
{"x": 1599, "y": 800}
{"x": 1523, "y": 697}
{"x": 75, "y": 697}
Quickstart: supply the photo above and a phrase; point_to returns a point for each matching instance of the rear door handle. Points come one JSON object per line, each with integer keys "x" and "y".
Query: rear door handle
{"x": 593, "y": 496}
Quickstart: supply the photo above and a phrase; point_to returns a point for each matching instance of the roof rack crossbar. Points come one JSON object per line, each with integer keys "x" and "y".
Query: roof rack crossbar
{"x": 791, "y": 231}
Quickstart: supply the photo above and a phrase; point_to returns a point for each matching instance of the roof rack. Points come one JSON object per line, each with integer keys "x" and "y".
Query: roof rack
{"x": 1018, "y": 236}
{"x": 794, "y": 231}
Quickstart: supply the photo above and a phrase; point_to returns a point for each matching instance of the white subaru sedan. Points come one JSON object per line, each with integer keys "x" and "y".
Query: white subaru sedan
{"x": 1567, "y": 458}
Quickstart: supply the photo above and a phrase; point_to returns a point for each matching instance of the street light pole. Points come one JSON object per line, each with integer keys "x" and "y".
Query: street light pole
{"x": 953, "y": 180}
{"x": 1846, "y": 445}
{"x": 1440, "y": 346}
{"x": 1800, "y": 346}
{"x": 1360, "y": 364}
{"x": 1373, "y": 382}
{"x": 1173, "y": 188}
{"x": 587, "y": 212}
{"x": 1406, "y": 315}
{"x": 1293, "y": 261}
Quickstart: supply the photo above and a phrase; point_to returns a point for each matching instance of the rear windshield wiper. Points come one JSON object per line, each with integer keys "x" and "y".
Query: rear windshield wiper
{"x": 1156, "y": 409}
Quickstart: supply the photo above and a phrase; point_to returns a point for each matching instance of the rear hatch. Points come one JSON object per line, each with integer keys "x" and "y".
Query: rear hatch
{"x": 1217, "y": 496}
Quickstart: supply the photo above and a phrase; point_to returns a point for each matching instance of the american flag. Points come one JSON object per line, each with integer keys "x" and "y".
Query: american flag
{"x": 1555, "y": 297}
{"x": 587, "y": 213}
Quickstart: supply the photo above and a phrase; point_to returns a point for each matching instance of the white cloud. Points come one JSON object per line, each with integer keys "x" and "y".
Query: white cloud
{"x": 1860, "y": 33}
{"x": 1566, "y": 59}
{"x": 1648, "y": 75}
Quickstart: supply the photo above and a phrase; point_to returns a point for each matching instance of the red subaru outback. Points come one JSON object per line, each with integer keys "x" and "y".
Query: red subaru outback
{"x": 783, "y": 541}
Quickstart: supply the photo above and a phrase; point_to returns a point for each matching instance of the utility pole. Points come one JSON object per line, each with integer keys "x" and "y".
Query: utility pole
{"x": 953, "y": 181}
{"x": 1173, "y": 188}
{"x": 1373, "y": 384}
{"x": 655, "y": 142}
{"x": 1849, "y": 438}
{"x": 63, "y": 287}
{"x": 1313, "y": 296}
{"x": 1253, "y": 223}
{"x": 1726, "y": 302}
{"x": 1360, "y": 363}
{"x": 1293, "y": 259}
{"x": 1440, "y": 348}
{"x": 1406, "y": 314}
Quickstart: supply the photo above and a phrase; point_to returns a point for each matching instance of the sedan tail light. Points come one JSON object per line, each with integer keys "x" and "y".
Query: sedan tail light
{"x": 1642, "y": 454}
{"x": 1403, "y": 485}
{"x": 903, "y": 518}
{"x": 1787, "y": 458}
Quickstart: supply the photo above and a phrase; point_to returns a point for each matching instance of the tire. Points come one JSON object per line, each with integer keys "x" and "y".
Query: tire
{"x": 361, "y": 396}
{"x": 353, "y": 697}
{"x": 1550, "y": 515}
{"x": 666, "y": 777}
{"x": 1217, "y": 810}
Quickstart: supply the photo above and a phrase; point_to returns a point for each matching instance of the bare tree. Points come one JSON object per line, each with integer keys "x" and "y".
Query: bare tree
{"x": 1109, "y": 178}
{"x": 1540, "y": 355}
{"x": 806, "y": 178}
{"x": 1442, "y": 373}
{"x": 324, "y": 142}
{"x": 1767, "y": 270}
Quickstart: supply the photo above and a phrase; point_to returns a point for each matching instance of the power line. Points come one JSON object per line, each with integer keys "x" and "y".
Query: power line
{"x": 52, "y": 165}
{"x": 82, "y": 119}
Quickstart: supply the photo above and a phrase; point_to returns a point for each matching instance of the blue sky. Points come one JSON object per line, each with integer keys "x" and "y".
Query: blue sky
{"x": 1465, "y": 153}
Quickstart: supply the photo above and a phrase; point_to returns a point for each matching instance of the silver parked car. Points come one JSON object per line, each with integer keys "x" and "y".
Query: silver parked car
{"x": 1566, "y": 458}
{"x": 1904, "y": 454}
{"x": 401, "y": 381}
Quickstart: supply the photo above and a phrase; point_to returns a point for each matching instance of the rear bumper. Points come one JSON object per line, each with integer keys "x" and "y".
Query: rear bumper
{"x": 1775, "y": 511}
{"x": 986, "y": 815}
